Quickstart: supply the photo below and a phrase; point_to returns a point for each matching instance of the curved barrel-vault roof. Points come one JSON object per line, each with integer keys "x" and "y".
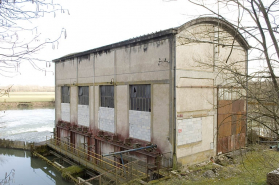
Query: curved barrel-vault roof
{"x": 227, "y": 26}
{"x": 172, "y": 31}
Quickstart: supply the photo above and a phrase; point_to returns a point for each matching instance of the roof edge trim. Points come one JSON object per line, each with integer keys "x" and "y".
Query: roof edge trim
{"x": 143, "y": 38}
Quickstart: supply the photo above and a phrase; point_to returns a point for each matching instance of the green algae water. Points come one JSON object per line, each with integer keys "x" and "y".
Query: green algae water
{"x": 17, "y": 167}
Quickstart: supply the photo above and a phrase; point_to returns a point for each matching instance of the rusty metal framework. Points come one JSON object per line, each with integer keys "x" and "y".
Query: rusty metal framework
{"x": 111, "y": 171}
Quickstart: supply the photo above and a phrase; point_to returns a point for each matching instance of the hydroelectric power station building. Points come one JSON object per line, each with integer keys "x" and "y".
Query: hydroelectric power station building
{"x": 163, "y": 88}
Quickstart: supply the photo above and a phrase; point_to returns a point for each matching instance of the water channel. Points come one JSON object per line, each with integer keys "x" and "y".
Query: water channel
{"x": 22, "y": 169}
{"x": 27, "y": 124}
{"x": 17, "y": 167}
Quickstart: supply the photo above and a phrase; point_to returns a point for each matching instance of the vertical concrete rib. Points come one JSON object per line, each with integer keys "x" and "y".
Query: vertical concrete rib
{"x": 115, "y": 92}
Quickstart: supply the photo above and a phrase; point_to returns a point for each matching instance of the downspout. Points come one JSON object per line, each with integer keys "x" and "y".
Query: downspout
{"x": 246, "y": 71}
{"x": 174, "y": 157}
{"x": 217, "y": 128}
{"x": 78, "y": 60}
{"x": 55, "y": 130}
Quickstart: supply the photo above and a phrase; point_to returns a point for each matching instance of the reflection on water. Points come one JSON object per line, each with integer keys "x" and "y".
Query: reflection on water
{"x": 27, "y": 124}
{"x": 26, "y": 170}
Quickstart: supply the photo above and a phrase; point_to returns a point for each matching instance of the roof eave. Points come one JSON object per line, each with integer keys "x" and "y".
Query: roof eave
{"x": 120, "y": 44}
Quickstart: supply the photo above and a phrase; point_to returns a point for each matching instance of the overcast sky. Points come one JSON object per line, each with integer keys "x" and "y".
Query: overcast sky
{"x": 95, "y": 23}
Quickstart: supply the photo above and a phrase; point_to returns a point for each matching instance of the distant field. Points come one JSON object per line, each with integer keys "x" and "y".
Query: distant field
{"x": 28, "y": 97}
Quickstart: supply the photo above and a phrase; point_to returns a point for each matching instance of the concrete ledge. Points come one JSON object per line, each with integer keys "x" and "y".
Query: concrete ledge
{"x": 15, "y": 144}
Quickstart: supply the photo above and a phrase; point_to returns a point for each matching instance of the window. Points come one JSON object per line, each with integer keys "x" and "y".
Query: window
{"x": 140, "y": 98}
{"x": 83, "y": 95}
{"x": 65, "y": 94}
{"x": 107, "y": 96}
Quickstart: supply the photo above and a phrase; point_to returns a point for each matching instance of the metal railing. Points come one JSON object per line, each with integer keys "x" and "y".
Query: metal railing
{"x": 110, "y": 170}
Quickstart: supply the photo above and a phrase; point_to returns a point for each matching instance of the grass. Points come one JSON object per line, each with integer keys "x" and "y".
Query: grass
{"x": 250, "y": 168}
{"x": 28, "y": 97}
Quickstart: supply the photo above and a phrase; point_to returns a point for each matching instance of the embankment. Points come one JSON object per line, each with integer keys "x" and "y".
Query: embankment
{"x": 27, "y": 100}
{"x": 10, "y": 105}
{"x": 6, "y": 143}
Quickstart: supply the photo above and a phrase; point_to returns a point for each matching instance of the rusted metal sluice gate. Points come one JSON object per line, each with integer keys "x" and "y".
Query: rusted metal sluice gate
{"x": 110, "y": 171}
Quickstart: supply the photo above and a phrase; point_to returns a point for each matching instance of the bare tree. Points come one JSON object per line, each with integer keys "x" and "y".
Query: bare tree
{"x": 16, "y": 18}
{"x": 257, "y": 21}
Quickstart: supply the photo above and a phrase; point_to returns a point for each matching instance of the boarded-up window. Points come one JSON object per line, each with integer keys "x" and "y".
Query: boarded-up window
{"x": 65, "y": 94}
{"x": 83, "y": 95}
{"x": 140, "y": 98}
{"x": 107, "y": 96}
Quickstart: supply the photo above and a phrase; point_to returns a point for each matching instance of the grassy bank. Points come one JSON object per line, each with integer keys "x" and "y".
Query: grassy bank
{"x": 249, "y": 168}
{"x": 28, "y": 97}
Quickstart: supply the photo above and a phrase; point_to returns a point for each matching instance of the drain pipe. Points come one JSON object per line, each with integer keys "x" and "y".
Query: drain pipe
{"x": 174, "y": 157}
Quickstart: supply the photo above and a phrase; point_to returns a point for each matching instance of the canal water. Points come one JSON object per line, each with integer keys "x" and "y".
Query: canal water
{"x": 32, "y": 125}
{"x": 27, "y": 124}
{"x": 20, "y": 169}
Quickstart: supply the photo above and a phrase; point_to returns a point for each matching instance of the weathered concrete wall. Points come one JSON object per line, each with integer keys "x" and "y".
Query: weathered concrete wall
{"x": 201, "y": 140}
{"x": 106, "y": 148}
{"x": 96, "y": 107}
{"x": 6, "y": 143}
{"x": 57, "y": 104}
{"x": 65, "y": 112}
{"x": 123, "y": 66}
{"x": 80, "y": 141}
{"x": 160, "y": 115}
{"x": 140, "y": 125}
{"x": 122, "y": 111}
{"x": 140, "y": 62}
{"x": 64, "y": 135}
{"x": 84, "y": 68}
{"x": 189, "y": 131}
{"x": 66, "y": 72}
{"x": 197, "y": 54}
{"x": 193, "y": 56}
{"x": 91, "y": 107}
{"x": 194, "y": 105}
{"x": 74, "y": 104}
{"x": 106, "y": 119}
{"x": 194, "y": 99}
{"x": 83, "y": 115}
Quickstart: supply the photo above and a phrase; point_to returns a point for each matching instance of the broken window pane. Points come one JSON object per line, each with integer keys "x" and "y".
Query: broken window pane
{"x": 83, "y": 95}
{"x": 140, "y": 97}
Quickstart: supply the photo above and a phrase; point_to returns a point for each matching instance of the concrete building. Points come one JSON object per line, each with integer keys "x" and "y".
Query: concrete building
{"x": 154, "y": 89}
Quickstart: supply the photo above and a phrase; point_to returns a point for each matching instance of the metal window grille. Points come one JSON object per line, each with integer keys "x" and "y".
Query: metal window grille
{"x": 140, "y": 97}
{"x": 65, "y": 94}
{"x": 83, "y": 95}
{"x": 107, "y": 96}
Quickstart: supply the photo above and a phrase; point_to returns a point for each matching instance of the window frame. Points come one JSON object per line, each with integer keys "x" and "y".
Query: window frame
{"x": 83, "y": 95}
{"x": 140, "y": 97}
{"x": 107, "y": 96}
{"x": 65, "y": 95}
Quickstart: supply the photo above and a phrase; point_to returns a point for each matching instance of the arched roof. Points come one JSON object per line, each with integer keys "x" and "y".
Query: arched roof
{"x": 172, "y": 31}
{"x": 222, "y": 24}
